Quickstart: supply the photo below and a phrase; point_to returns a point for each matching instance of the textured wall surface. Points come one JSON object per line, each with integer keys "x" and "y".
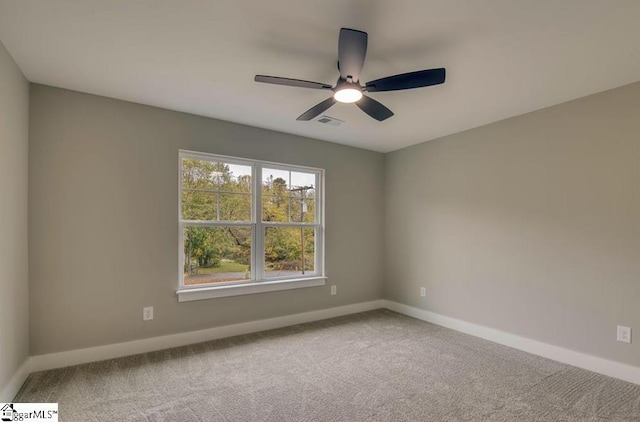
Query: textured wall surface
{"x": 104, "y": 220}
{"x": 14, "y": 276}
{"x": 530, "y": 225}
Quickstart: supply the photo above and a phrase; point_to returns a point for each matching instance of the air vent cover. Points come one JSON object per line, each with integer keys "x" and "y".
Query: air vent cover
{"x": 328, "y": 120}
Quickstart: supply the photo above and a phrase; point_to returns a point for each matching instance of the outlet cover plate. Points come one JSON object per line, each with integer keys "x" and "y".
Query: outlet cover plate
{"x": 147, "y": 313}
{"x": 624, "y": 334}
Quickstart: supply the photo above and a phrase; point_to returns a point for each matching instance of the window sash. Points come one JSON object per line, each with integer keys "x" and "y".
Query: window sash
{"x": 258, "y": 227}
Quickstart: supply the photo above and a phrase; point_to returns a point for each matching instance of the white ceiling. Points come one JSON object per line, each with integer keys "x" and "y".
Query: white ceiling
{"x": 503, "y": 57}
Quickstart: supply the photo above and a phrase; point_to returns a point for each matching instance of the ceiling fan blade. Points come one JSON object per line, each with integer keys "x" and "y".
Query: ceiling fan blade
{"x": 408, "y": 80}
{"x": 352, "y": 50}
{"x": 374, "y": 108}
{"x": 317, "y": 109}
{"x": 291, "y": 82}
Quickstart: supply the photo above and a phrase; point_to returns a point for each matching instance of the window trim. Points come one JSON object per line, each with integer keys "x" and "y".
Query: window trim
{"x": 259, "y": 281}
{"x": 246, "y": 288}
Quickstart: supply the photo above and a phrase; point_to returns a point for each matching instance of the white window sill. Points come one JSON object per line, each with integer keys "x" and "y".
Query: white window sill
{"x": 212, "y": 292}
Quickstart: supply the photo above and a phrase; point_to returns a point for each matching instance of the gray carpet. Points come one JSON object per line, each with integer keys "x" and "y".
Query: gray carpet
{"x": 375, "y": 366}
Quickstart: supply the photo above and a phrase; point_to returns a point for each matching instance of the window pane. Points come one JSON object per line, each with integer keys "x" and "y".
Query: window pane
{"x": 216, "y": 254}
{"x": 212, "y": 175}
{"x": 275, "y": 195}
{"x": 288, "y": 196}
{"x": 200, "y": 174}
{"x": 306, "y": 180}
{"x": 303, "y": 210}
{"x": 235, "y": 207}
{"x": 275, "y": 182}
{"x": 289, "y": 251}
{"x": 199, "y": 205}
{"x": 211, "y": 190}
{"x": 275, "y": 208}
{"x": 235, "y": 178}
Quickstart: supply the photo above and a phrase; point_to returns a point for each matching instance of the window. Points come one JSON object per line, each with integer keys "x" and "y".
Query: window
{"x": 247, "y": 226}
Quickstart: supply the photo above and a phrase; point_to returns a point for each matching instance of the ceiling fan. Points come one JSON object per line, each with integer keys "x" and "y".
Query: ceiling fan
{"x": 352, "y": 50}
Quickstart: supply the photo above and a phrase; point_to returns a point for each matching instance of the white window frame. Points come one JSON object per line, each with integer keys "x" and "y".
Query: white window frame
{"x": 259, "y": 281}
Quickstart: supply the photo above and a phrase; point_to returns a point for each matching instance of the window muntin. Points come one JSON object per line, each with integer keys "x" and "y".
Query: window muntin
{"x": 247, "y": 221}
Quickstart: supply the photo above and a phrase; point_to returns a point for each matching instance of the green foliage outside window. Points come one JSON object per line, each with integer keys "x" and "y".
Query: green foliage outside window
{"x": 213, "y": 191}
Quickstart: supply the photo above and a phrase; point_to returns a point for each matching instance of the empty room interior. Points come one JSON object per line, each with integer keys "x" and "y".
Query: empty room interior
{"x": 361, "y": 210}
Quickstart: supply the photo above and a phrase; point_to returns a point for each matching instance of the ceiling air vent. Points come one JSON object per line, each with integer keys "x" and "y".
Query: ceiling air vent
{"x": 328, "y": 120}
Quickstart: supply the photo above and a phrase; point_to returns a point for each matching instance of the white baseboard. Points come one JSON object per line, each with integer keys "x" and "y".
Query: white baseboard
{"x": 74, "y": 357}
{"x": 13, "y": 386}
{"x": 581, "y": 360}
{"x": 110, "y": 351}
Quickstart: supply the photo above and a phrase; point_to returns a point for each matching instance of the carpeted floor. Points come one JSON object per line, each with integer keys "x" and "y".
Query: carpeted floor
{"x": 375, "y": 366}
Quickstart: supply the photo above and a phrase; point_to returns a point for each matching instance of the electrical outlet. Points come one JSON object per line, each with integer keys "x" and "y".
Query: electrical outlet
{"x": 624, "y": 334}
{"x": 423, "y": 292}
{"x": 147, "y": 313}
{"x": 334, "y": 290}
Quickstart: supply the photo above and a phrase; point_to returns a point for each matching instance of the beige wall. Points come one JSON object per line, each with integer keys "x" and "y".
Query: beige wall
{"x": 14, "y": 147}
{"x": 530, "y": 225}
{"x": 103, "y": 220}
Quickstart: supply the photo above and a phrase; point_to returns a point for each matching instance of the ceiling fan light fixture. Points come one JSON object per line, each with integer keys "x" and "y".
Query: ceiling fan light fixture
{"x": 347, "y": 95}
